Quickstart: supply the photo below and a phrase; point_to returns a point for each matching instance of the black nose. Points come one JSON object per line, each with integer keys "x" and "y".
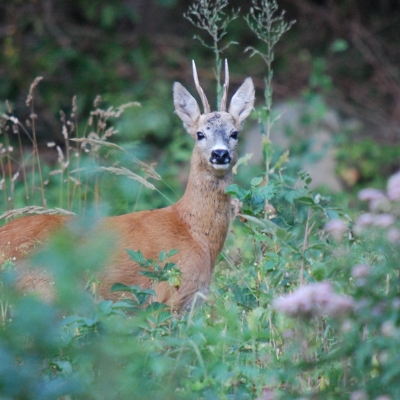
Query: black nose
{"x": 220, "y": 157}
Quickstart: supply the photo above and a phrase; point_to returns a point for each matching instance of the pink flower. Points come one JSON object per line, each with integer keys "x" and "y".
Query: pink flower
{"x": 384, "y": 220}
{"x": 365, "y": 220}
{"x": 393, "y": 235}
{"x": 313, "y": 299}
{"x": 369, "y": 194}
{"x": 336, "y": 227}
{"x": 268, "y": 394}
{"x": 388, "y": 329}
{"x": 375, "y": 197}
{"x": 359, "y": 395}
{"x": 360, "y": 271}
{"x": 393, "y": 187}
{"x": 362, "y": 221}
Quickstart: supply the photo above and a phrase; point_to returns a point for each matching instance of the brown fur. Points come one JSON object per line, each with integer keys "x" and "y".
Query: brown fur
{"x": 196, "y": 225}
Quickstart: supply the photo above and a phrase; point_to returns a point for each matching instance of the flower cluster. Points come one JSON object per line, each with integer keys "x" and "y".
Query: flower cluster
{"x": 336, "y": 228}
{"x": 384, "y": 209}
{"x": 360, "y": 271}
{"x": 393, "y": 187}
{"x": 315, "y": 299}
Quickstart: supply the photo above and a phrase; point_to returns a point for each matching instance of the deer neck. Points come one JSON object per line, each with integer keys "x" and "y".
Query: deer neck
{"x": 205, "y": 207}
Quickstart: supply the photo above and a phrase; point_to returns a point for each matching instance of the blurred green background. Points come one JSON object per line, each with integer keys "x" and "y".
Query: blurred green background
{"x": 340, "y": 57}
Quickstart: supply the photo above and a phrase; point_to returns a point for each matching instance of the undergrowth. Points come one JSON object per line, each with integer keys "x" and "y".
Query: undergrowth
{"x": 304, "y": 304}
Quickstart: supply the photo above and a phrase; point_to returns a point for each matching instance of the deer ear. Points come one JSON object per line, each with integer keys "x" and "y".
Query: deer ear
{"x": 185, "y": 106}
{"x": 242, "y": 101}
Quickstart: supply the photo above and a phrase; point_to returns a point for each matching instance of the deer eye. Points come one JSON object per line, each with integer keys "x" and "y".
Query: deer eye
{"x": 234, "y": 135}
{"x": 200, "y": 135}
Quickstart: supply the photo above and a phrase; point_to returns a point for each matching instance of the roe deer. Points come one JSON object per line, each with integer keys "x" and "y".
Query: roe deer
{"x": 196, "y": 225}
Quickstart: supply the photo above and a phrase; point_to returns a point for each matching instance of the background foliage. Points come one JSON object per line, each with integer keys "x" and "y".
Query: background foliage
{"x": 134, "y": 49}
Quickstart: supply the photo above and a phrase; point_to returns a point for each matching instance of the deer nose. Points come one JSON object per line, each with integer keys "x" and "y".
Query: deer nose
{"x": 220, "y": 157}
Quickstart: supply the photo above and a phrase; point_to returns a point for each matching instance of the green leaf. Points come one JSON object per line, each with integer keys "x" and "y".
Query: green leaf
{"x": 140, "y": 294}
{"x": 242, "y": 160}
{"x": 244, "y": 296}
{"x": 306, "y": 200}
{"x": 332, "y": 214}
{"x": 150, "y": 274}
{"x": 269, "y": 265}
{"x": 169, "y": 266}
{"x": 267, "y": 148}
{"x": 117, "y": 287}
{"x": 105, "y": 306}
{"x": 282, "y": 234}
{"x": 156, "y": 306}
{"x": 236, "y": 191}
{"x": 256, "y": 181}
{"x": 163, "y": 317}
{"x": 291, "y": 195}
{"x": 254, "y": 318}
{"x": 174, "y": 281}
{"x": 339, "y": 45}
{"x": 283, "y": 159}
{"x": 137, "y": 256}
{"x": 318, "y": 271}
{"x": 162, "y": 256}
{"x": 269, "y": 226}
{"x": 267, "y": 192}
{"x": 172, "y": 253}
{"x": 318, "y": 246}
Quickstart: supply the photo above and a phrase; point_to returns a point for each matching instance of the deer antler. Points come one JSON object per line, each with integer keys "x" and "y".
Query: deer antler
{"x": 200, "y": 90}
{"x": 226, "y": 85}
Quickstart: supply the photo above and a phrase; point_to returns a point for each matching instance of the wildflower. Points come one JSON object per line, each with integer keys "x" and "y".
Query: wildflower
{"x": 388, "y": 329}
{"x": 396, "y": 303}
{"x": 362, "y": 221}
{"x": 376, "y": 198}
{"x": 393, "y": 187}
{"x": 336, "y": 227}
{"x": 370, "y": 194}
{"x": 393, "y": 235}
{"x": 359, "y": 395}
{"x": 346, "y": 326}
{"x": 267, "y": 394}
{"x": 384, "y": 220}
{"x": 313, "y": 299}
{"x": 383, "y": 357}
{"x": 365, "y": 219}
{"x": 360, "y": 271}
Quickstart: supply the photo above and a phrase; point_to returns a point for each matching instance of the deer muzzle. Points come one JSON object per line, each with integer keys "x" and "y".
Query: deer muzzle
{"x": 220, "y": 157}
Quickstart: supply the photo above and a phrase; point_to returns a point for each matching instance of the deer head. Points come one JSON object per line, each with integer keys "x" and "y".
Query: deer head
{"x": 215, "y": 133}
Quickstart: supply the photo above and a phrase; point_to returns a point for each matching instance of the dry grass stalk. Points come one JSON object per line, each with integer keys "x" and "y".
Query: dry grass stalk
{"x": 34, "y": 210}
{"x": 98, "y": 142}
{"x": 129, "y": 174}
{"x": 31, "y": 89}
{"x": 150, "y": 171}
{"x": 89, "y": 143}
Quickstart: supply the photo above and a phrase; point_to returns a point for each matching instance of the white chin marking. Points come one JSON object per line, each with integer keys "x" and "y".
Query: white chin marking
{"x": 220, "y": 166}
